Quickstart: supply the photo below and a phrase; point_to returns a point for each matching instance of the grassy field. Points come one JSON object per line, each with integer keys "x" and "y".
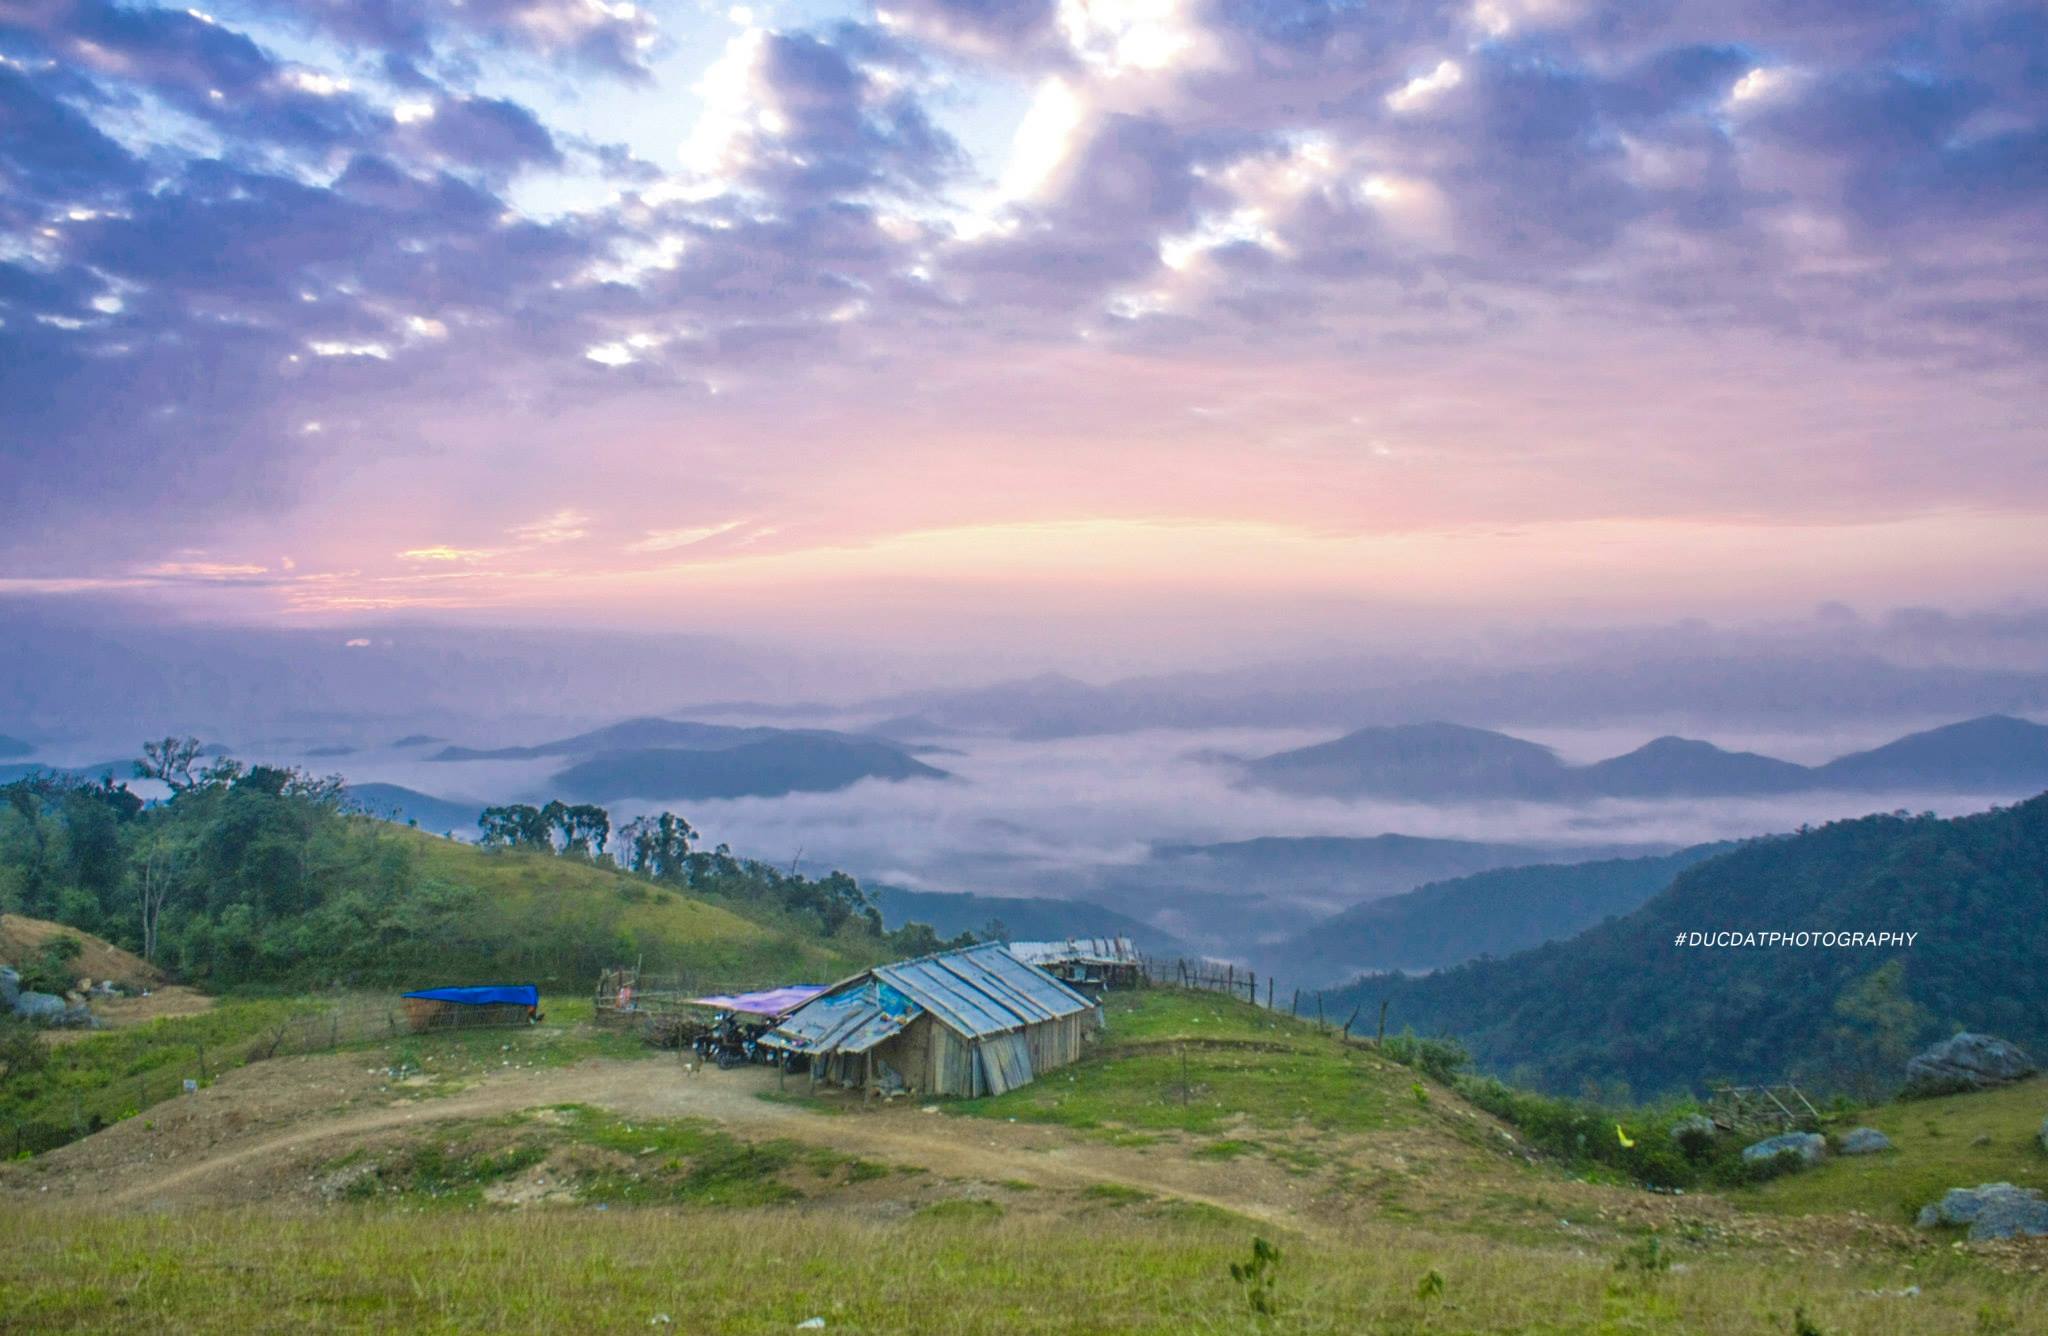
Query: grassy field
{"x": 116, "y": 1074}
{"x": 1134, "y": 1268}
{"x": 1202, "y": 1063}
{"x": 575, "y": 1154}
{"x": 1955, "y": 1141}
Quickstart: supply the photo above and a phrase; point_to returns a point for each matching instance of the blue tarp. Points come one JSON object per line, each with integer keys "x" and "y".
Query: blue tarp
{"x": 518, "y": 995}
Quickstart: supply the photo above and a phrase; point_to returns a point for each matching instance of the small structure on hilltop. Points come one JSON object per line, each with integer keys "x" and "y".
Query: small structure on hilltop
{"x": 974, "y": 1021}
{"x": 1088, "y": 963}
{"x": 464, "y": 1008}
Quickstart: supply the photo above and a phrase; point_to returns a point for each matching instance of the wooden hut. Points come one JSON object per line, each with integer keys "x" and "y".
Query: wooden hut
{"x": 976, "y": 1021}
{"x": 1090, "y": 964}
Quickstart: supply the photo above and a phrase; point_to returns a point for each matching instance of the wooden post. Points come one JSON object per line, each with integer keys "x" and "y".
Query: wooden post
{"x": 1320, "y": 1025}
{"x": 1354, "y": 1016}
{"x": 1269, "y": 992}
{"x": 202, "y": 1060}
{"x": 1381, "y": 1042}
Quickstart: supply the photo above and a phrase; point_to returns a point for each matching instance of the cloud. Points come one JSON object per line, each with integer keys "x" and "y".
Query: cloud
{"x": 1369, "y": 267}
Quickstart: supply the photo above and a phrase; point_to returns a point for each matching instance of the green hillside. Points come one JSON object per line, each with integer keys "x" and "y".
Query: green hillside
{"x": 1625, "y": 1003}
{"x": 563, "y": 919}
{"x": 1492, "y": 913}
{"x": 266, "y": 877}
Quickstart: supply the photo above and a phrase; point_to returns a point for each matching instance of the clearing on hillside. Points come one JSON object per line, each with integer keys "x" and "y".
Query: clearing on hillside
{"x": 23, "y": 938}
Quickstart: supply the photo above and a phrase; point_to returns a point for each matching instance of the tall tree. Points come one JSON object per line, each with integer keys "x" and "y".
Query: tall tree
{"x": 170, "y": 760}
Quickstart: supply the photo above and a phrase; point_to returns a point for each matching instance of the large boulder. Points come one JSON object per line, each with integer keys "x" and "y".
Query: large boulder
{"x": 1991, "y": 1211}
{"x": 50, "y": 1010}
{"x": 1810, "y": 1147}
{"x": 1967, "y": 1062}
{"x": 41, "y": 1008}
{"x": 1863, "y": 1141}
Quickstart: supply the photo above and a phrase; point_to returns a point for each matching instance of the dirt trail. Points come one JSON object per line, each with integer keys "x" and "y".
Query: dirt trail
{"x": 222, "y": 1148}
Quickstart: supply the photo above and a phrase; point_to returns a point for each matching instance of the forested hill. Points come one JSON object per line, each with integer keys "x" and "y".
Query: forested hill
{"x": 1622, "y": 1003}
{"x": 266, "y": 876}
{"x": 1491, "y": 913}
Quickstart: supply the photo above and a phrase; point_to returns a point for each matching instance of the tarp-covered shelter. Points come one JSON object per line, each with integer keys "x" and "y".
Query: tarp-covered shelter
{"x": 772, "y": 1002}
{"x": 976, "y": 1021}
{"x": 491, "y": 1004}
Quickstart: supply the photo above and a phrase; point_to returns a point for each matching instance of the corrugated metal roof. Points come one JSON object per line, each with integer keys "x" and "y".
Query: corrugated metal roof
{"x": 1081, "y": 950}
{"x": 977, "y": 991}
{"x": 983, "y": 990}
{"x": 853, "y": 1020}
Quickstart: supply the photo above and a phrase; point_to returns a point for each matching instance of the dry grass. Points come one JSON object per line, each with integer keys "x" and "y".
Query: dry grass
{"x": 1151, "y": 1268}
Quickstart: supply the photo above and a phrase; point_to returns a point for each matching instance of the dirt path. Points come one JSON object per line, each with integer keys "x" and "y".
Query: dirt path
{"x": 230, "y": 1145}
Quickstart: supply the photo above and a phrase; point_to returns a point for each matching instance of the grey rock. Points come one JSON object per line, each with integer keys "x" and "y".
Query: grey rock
{"x": 1810, "y": 1147}
{"x": 1967, "y": 1062}
{"x": 1693, "y": 1129}
{"x": 1864, "y": 1141}
{"x": 51, "y": 1010}
{"x": 1990, "y": 1211}
{"x": 10, "y": 987}
{"x": 43, "y": 1008}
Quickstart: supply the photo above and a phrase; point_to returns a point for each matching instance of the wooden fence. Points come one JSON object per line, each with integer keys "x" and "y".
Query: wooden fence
{"x": 1259, "y": 990}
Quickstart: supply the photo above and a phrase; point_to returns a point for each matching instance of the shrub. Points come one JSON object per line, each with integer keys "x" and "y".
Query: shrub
{"x": 1438, "y": 1058}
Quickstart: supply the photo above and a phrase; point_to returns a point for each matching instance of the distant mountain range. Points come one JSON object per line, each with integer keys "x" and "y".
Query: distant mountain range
{"x": 1623, "y": 1002}
{"x": 1492, "y": 913}
{"x": 1441, "y": 762}
{"x": 682, "y": 760}
{"x": 121, "y": 770}
{"x": 1796, "y": 687}
{"x": 12, "y": 746}
{"x": 771, "y": 767}
{"x": 1347, "y": 869}
{"x": 437, "y": 816}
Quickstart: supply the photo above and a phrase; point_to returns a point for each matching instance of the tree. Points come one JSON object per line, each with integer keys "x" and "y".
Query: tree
{"x": 585, "y": 828}
{"x": 170, "y": 760}
{"x": 1884, "y": 1027}
{"x": 163, "y": 861}
{"x": 659, "y": 846}
{"x": 514, "y": 826}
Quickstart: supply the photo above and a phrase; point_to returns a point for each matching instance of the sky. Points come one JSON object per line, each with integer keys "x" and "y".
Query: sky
{"x": 930, "y": 318}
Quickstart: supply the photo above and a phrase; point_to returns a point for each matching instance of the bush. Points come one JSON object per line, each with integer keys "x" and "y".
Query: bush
{"x": 53, "y": 969}
{"x": 1585, "y": 1133}
{"x": 1439, "y": 1058}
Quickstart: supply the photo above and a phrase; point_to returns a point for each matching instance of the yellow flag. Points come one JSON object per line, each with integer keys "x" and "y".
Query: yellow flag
{"x": 1622, "y": 1136}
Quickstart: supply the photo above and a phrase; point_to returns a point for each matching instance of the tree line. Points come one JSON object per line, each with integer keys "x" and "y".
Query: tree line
{"x": 253, "y": 873}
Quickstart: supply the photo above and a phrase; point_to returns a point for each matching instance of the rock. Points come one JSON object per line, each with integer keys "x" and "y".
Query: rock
{"x": 51, "y": 1010}
{"x": 1967, "y": 1062}
{"x": 1808, "y": 1146}
{"x": 10, "y": 987}
{"x": 1864, "y": 1141}
{"x": 1991, "y": 1211}
{"x": 1695, "y": 1130}
{"x": 42, "y": 1008}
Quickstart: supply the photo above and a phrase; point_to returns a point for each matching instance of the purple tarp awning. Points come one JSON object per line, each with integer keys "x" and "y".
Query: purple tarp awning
{"x": 769, "y": 1002}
